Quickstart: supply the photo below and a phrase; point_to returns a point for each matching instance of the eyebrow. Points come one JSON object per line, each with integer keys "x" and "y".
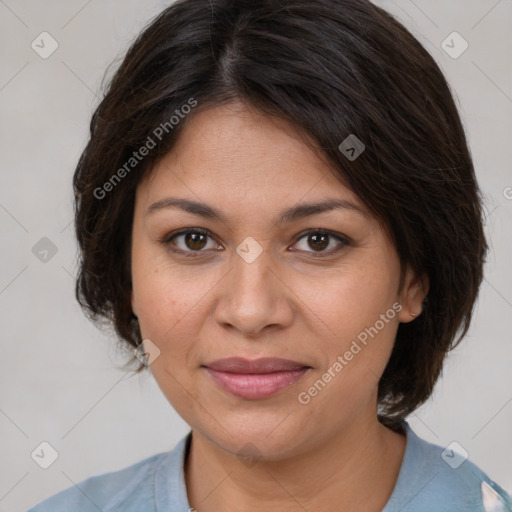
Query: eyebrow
{"x": 291, "y": 214}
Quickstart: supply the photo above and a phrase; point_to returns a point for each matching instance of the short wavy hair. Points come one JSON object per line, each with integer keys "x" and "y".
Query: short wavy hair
{"x": 331, "y": 68}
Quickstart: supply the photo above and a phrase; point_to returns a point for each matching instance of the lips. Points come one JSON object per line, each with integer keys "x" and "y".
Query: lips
{"x": 264, "y": 365}
{"x": 255, "y": 379}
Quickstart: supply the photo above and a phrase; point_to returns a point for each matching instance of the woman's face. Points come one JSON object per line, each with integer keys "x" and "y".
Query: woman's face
{"x": 258, "y": 286}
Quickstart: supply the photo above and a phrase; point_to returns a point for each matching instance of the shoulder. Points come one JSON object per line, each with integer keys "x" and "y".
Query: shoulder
{"x": 439, "y": 478}
{"x": 105, "y": 491}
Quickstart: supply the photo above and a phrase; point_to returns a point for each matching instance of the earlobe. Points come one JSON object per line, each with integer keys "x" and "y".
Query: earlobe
{"x": 414, "y": 291}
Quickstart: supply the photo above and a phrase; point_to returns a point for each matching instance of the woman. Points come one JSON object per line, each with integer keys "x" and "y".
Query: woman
{"x": 277, "y": 209}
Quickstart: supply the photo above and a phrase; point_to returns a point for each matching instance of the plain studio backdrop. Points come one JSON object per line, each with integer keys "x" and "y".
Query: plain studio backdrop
{"x": 59, "y": 383}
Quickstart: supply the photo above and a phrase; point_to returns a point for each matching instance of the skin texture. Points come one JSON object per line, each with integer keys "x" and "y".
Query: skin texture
{"x": 296, "y": 301}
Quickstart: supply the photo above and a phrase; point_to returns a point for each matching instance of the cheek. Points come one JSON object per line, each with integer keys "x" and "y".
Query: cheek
{"x": 357, "y": 317}
{"x": 169, "y": 307}
{"x": 166, "y": 309}
{"x": 348, "y": 299}
{"x": 167, "y": 295}
{"x": 356, "y": 359}
{"x": 173, "y": 307}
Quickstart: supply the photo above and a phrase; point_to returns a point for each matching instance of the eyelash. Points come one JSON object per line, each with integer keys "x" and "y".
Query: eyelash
{"x": 166, "y": 241}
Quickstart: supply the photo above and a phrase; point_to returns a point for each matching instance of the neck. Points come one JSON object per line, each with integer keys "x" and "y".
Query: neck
{"x": 355, "y": 469}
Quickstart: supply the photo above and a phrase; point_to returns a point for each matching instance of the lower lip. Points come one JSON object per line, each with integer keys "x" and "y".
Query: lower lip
{"x": 254, "y": 386}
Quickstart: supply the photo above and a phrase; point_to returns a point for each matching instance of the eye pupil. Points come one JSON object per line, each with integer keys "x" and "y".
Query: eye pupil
{"x": 193, "y": 238}
{"x": 315, "y": 237}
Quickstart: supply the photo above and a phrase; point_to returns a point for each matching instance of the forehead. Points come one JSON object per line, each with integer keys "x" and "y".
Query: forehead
{"x": 233, "y": 152}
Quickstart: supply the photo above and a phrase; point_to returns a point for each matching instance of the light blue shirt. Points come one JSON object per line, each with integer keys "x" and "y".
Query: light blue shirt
{"x": 431, "y": 479}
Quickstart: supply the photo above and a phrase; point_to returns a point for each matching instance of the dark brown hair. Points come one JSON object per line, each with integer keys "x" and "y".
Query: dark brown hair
{"x": 331, "y": 68}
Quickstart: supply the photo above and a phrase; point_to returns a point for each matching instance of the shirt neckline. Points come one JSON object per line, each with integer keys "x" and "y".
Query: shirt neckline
{"x": 404, "y": 480}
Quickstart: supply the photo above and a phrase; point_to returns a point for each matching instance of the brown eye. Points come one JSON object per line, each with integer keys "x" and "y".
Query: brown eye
{"x": 195, "y": 241}
{"x": 189, "y": 242}
{"x": 320, "y": 240}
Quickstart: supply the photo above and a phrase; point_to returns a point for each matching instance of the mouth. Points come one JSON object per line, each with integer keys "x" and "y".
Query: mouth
{"x": 255, "y": 379}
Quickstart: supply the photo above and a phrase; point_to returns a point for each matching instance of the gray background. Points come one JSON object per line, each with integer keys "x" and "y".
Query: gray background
{"x": 59, "y": 381}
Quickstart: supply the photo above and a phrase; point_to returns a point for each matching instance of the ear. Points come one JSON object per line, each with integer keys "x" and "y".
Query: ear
{"x": 414, "y": 291}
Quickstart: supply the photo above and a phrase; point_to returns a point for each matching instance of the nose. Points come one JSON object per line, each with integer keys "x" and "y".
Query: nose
{"x": 254, "y": 297}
